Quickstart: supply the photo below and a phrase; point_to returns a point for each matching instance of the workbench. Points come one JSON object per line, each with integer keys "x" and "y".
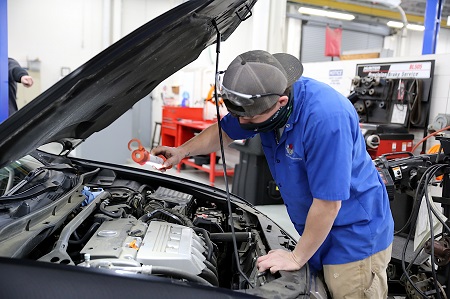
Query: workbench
{"x": 179, "y": 124}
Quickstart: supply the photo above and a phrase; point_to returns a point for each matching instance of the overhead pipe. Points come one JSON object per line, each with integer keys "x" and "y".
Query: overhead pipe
{"x": 404, "y": 31}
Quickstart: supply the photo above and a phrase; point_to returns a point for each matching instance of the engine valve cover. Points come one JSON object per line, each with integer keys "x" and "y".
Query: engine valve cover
{"x": 172, "y": 245}
{"x": 116, "y": 240}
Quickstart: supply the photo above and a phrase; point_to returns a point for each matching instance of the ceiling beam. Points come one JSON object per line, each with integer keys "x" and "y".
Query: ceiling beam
{"x": 365, "y": 10}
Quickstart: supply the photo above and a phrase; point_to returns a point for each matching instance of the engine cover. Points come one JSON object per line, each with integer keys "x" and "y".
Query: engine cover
{"x": 164, "y": 244}
{"x": 116, "y": 239}
{"x": 172, "y": 245}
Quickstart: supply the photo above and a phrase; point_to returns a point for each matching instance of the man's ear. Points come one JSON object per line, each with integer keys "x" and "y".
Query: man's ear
{"x": 283, "y": 100}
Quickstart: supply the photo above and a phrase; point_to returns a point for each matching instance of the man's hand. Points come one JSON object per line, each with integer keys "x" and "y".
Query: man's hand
{"x": 277, "y": 260}
{"x": 27, "y": 81}
{"x": 173, "y": 155}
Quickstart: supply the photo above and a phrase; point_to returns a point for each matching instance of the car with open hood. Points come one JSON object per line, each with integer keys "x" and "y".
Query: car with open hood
{"x": 76, "y": 228}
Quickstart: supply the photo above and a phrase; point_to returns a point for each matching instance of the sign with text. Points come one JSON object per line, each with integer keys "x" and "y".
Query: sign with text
{"x": 404, "y": 70}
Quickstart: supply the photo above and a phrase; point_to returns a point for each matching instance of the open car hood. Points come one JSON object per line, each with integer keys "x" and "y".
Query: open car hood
{"x": 101, "y": 90}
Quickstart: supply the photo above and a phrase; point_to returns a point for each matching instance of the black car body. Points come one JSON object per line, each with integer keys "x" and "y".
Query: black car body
{"x": 72, "y": 228}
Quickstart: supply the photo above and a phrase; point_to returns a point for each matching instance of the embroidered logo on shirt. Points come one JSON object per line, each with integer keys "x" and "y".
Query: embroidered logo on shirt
{"x": 290, "y": 149}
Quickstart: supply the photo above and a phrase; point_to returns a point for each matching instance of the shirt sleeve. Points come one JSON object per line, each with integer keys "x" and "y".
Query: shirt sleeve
{"x": 230, "y": 125}
{"x": 328, "y": 156}
{"x": 16, "y": 71}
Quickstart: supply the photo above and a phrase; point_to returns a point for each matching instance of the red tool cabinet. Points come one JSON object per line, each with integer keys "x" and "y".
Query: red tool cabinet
{"x": 179, "y": 124}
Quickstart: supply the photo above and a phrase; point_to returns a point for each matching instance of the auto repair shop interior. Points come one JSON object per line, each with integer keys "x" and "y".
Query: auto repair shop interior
{"x": 390, "y": 58}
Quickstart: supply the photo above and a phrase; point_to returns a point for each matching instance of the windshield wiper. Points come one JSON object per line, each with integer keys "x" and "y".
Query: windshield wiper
{"x": 24, "y": 181}
{"x": 32, "y": 175}
{"x": 32, "y": 192}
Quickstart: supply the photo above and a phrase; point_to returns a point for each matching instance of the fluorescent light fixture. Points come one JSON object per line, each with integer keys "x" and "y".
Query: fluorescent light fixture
{"x": 415, "y": 27}
{"x": 395, "y": 24}
{"x": 399, "y": 25}
{"x": 388, "y": 3}
{"x": 325, "y": 13}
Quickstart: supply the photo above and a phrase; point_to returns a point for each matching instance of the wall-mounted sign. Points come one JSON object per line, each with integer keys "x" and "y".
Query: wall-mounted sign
{"x": 415, "y": 69}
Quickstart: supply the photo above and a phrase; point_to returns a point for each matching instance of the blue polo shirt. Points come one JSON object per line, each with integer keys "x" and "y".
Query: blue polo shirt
{"x": 322, "y": 154}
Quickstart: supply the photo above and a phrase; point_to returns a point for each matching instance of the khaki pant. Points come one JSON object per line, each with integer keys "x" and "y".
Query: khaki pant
{"x": 365, "y": 279}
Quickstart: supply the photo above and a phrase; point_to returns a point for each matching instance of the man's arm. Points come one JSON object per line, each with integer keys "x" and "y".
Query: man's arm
{"x": 26, "y": 81}
{"x": 204, "y": 143}
{"x": 16, "y": 71}
{"x": 319, "y": 221}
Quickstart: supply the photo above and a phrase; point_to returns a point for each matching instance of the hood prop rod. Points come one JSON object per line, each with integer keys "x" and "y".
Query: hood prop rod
{"x": 222, "y": 151}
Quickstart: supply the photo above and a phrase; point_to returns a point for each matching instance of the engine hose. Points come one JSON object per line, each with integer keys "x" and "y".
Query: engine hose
{"x": 117, "y": 214}
{"x": 209, "y": 276}
{"x": 207, "y": 241}
{"x": 228, "y": 237}
{"x": 167, "y": 215}
{"x": 143, "y": 187}
{"x": 176, "y": 273}
{"x": 211, "y": 267}
{"x": 415, "y": 102}
{"x": 87, "y": 235}
{"x": 213, "y": 260}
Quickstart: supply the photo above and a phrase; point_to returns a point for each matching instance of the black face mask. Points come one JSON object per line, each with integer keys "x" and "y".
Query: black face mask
{"x": 276, "y": 121}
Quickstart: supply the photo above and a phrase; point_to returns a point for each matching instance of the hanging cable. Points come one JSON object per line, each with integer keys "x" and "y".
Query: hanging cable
{"x": 222, "y": 151}
{"x": 414, "y": 94}
{"x": 433, "y": 262}
{"x": 420, "y": 192}
{"x": 404, "y": 268}
{"x": 430, "y": 135}
{"x": 415, "y": 208}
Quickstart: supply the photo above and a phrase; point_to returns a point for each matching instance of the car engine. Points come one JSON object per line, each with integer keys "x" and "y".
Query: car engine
{"x": 154, "y": 232}
{"x": 127, "y": 221}
{"x": 161, "y": 241}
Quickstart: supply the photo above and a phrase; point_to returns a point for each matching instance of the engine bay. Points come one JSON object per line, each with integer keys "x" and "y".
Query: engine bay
{"x": 126, "y": 220}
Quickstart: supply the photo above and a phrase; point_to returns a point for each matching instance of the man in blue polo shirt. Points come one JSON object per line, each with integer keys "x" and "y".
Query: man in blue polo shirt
{"x": 317, "y": 156}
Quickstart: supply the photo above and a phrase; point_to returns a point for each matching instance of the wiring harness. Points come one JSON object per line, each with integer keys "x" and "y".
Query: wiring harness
{"x": 425, "y": 270}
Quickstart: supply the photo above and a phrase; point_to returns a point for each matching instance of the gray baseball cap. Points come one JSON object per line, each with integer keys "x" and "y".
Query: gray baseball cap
{"x": 255, "y": 80}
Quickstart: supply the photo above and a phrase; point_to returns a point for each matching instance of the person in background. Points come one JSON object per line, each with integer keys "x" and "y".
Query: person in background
{"x": 317, "y": 155}
{"x": 16, "y": 74}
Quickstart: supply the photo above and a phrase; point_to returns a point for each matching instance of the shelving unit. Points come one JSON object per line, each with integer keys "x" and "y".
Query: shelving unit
{"x": 180, "y": 124}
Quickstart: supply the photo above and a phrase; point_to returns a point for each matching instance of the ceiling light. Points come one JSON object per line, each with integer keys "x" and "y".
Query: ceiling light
{"x": 325, "y": 13}
{"x": 395, "y": 24}
{"x": 388, "y": 3}
{"x": 415, "y": 27}
{"x": 399, "y": 25}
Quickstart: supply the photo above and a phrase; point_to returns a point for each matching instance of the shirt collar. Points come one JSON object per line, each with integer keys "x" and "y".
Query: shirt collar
{"x": 298, "y": 97}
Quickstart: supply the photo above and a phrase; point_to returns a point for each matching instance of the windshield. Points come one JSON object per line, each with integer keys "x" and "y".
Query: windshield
{"x": 15, "y": 172}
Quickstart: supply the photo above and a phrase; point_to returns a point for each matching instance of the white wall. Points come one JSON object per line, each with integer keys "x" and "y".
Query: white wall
{"x": 67, "y": 33}
{"x": 60, "y": 33}
{"x": 411, "y": 44}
